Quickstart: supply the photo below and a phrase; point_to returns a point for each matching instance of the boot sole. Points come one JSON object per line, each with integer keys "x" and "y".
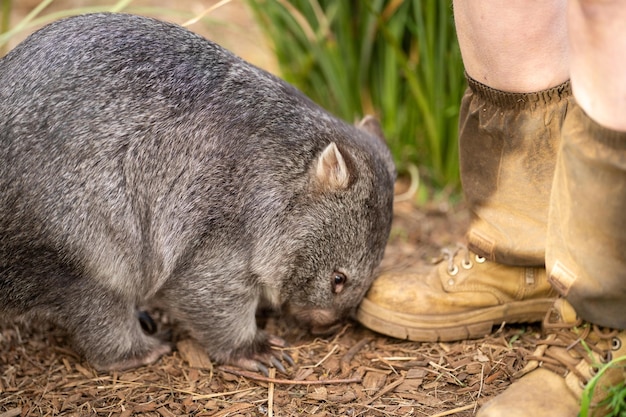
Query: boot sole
{"x": 450, "y": 327}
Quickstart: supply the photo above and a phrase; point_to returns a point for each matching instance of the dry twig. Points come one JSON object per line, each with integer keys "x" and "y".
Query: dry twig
{"x": 256, "y": 377}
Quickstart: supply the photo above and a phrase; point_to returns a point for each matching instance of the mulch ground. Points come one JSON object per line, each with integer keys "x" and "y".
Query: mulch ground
{"x": 352, "y": 373}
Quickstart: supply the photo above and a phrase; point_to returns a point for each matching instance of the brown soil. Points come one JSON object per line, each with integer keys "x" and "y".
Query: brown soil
{"x": 355, "y": 372}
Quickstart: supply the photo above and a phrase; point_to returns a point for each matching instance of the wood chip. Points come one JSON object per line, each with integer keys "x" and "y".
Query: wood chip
{"x": 234, "y": 409}
{"x": 14, "y": 412}
{"x": 318, "y": 394}
{"x": 373, "y": 381}
{"x": 84, "y": 371}
{"x": 194, "y": 354}
{"x": 416, "y": 373}
{"x": 164, "y": 412}
{"x": 409, "y": 385}
{"x": 144, "y": 408}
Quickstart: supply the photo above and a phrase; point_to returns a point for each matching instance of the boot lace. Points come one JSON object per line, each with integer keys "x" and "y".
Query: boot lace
{"x": 581, "y": 341}
{"x": 449, "y": 255}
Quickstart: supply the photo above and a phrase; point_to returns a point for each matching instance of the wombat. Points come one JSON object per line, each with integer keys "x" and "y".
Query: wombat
{"x": 143, "y": 164}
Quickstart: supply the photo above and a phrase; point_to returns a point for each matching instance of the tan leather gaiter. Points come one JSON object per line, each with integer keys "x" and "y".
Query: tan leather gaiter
{"x": 508, "y": 144}
{"x": 586, "y": 252}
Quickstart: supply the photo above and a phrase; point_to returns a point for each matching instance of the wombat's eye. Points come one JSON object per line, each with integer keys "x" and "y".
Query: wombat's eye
{"x": 147, "y": 324}
{"x": 338, "y": 280}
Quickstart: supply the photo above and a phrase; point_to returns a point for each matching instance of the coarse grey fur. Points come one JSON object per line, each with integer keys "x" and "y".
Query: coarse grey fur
{"x": 141, "y": 163}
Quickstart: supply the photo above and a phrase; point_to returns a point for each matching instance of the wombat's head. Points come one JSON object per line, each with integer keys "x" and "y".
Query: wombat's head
{"x": 342, "y": 227}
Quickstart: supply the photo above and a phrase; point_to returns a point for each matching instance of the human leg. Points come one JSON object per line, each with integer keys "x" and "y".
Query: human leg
{"x": 587, "y": 226}
{"x": 517, "y": 46}
{"x": 597, "y": 39}
{"x": 586, "y": 241}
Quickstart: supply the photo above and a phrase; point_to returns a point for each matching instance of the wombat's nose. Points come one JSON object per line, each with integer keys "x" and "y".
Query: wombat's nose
{"x": 319, "y": 321}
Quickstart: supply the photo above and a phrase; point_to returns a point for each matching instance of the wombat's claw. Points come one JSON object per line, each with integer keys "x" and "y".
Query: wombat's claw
{"x": 263, "y": 369}
{"x": 279, "y": 354}
{"x": 277, "y": 364}
{"x": 250, "y": 365}
{"x": 287, "y": 358}
{"x": 273, "y": 359}
{"x": 261, "y": 361}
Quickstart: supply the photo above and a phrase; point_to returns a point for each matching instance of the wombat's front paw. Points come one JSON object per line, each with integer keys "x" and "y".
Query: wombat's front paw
{"x": 263, "y": 355}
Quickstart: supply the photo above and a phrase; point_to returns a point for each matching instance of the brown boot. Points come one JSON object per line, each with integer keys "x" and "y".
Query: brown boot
{"x": 564, "y": 362}
{"x": 508, "y": 144}
{"x": 462, "y": 298}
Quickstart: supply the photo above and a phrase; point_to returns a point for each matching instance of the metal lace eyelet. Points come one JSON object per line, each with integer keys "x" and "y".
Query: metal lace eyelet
{"x": 582, "y": 384}
{"x": 453, "y": 271}
{"x": 593, "y": 370}
{"x": 616, "y": 343}
{"x": 467, "y": 264}
{"x": 480, "y": 259}
{"x": 607, "y": 357}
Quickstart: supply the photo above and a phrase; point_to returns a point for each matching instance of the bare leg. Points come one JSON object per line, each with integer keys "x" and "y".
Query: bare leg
{"x": 586, "y": 241}
{"x": 597, "y": 37}
{"x": 517, "y": 46}
{"x": 525, "y": 46}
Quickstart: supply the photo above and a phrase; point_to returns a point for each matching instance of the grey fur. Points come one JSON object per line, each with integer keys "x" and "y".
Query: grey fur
{"x": 141, "y": 163}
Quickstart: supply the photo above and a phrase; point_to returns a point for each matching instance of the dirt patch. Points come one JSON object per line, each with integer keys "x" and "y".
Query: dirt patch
{"x": 355, "y": 372}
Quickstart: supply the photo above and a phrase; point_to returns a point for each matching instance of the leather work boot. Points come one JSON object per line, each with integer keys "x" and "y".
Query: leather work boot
{"x": 462, "y": 298}
{"x": 508, "y": 144}
{"x": 564, "y": 362}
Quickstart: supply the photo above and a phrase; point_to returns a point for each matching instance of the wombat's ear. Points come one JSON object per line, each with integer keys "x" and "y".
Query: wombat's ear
{"x": 370, "y": 125}
{"x": 331, "y": 172}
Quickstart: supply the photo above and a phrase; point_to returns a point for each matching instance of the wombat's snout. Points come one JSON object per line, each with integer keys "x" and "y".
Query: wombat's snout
{"x": 319, "y": 321}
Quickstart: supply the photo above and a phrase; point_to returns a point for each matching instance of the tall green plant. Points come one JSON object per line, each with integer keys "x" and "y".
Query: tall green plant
{"x": 397, "y": 59}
